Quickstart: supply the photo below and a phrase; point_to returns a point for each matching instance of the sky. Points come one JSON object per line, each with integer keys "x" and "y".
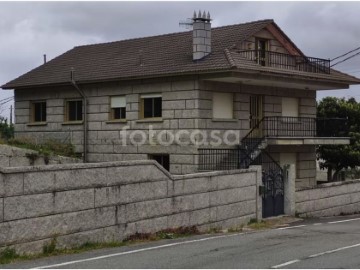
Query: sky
{"x": 28, "y": 30}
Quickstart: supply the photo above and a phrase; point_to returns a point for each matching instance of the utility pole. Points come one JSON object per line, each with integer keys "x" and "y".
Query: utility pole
{"x": 11, "y": 114}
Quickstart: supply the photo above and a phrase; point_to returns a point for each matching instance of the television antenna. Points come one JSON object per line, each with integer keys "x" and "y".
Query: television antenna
{"x": 188, "y": 23}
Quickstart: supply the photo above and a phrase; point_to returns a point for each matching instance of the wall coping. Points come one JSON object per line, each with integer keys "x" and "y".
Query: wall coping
{"x": 332, "y": 184}
{"x": 74, "y": 166}
{"x": 215, "y": 173}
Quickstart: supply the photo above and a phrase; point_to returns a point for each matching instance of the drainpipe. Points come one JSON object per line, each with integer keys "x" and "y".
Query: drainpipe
{"x": 82, "y": 94}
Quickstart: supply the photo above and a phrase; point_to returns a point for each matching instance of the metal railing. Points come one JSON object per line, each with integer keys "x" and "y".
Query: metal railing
{"x": 280, "y": 126}
{"x": 214, "y": 159}
{"x": 250, "y": 150}
{"x": 287, "y": 61}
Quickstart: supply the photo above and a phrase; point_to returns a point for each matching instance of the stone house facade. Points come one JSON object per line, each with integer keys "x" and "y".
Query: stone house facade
{"x": 162, "y": 97}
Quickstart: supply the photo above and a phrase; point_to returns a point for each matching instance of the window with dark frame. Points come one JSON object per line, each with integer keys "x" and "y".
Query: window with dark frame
{"x": 118, "y": 108}
{"x": 38, "y": 112}
{"x": 74, "y": 110}
{"x": 152, "y": 106}
{"x": 162, "y": 159}
{"x": 261, "y": 49}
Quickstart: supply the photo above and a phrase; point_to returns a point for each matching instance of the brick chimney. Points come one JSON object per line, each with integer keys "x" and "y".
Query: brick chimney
{"x": 201, "y": 35}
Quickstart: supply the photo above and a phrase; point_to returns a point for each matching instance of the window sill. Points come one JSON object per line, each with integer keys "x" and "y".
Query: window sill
{"x": 119, "y": 121}
{"x": 72, "y": 123}
{"x": 150, "y": 120}
{"x": 37, "y": 124}
{"x": 224, "y": 120}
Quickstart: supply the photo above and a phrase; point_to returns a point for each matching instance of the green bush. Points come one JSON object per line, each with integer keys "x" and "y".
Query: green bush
{"x": 6, "y": 130}
{"x": 48, "y": 148}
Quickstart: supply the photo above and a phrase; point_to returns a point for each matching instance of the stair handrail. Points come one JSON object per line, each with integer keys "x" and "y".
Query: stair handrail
{"x": 247, "y": 151}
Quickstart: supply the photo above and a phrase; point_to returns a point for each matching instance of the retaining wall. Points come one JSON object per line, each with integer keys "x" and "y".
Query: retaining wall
{"x": 14, "y": 157}
{"x": 329, "y": 199}
{"x": 77, "y": 203}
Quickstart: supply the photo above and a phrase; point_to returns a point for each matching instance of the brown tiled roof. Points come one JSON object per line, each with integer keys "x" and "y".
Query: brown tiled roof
{"x": 141, "y": 57}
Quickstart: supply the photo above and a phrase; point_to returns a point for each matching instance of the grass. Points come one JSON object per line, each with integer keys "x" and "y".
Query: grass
{"x": 46, "y": 149}
{"x": 9, "y": 255}
{"x": 259, "y": 225}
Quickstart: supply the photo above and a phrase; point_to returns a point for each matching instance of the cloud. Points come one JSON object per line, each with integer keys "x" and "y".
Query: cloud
{"x": 30, "y": 29}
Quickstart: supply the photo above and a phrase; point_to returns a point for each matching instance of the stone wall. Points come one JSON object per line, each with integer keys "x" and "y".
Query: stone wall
{"x": 329, "y": 199}
{"x": 100, "y": 202}
{"x": 186, "y": 105}
{"x": 15, "y": 157}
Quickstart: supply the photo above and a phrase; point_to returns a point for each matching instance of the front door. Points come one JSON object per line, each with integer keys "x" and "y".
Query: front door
{"x": 256, "y": 114}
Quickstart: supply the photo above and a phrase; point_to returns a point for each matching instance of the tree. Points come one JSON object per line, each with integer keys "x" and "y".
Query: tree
{"x": 334, "y": 158}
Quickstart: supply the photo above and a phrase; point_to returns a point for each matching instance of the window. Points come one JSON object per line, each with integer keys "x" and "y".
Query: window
{"x": 261, "y": 50}
{"x": 290, "y": 107}
{"x": 118, "y": 108}
{"x": 74, "y": 110}
{"x": 38, "y": 112}
{"x": 223, "y": 105}
{"x": 151, "y": 106}
{"x": 163, "y": 160}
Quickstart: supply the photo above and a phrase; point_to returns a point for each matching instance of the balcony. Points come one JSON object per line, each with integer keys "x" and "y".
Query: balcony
{"x": 280, "y": 130}
{"x": 274, "y": 130}
{"x": 286, "y": 61}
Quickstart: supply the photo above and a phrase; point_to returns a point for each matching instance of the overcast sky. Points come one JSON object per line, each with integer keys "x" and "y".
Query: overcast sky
{"x": 30, "y": 29}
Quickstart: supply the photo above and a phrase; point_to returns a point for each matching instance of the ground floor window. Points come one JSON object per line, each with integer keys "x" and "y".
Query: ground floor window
{"x": 162, "y": 159}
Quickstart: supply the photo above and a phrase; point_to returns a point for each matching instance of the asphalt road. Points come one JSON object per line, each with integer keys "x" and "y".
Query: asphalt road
{"x": 314, "y": 243}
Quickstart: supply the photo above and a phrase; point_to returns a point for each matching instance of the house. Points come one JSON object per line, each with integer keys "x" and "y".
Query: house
{"x": 205, "y": 99}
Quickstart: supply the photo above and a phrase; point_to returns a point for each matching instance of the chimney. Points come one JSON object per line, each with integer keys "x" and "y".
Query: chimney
{"x": 201, "y": 35}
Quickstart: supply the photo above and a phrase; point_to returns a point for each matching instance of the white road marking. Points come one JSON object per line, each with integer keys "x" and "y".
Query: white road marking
{"x": 316, "y": 255}
{"x": 136, "y": 251}
{"x": 334, "y": 250}
{"x": 291, "y": 227}
{"x": 341, "y": 221}
{"x": 205, "y": 239}
{"x": 285, "y": 264}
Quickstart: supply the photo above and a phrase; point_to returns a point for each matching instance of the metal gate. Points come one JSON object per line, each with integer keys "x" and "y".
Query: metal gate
{"x": 273, "y": 190}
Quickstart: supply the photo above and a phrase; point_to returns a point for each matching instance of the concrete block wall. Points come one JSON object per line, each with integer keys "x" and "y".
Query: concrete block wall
{"x": 331, "y": 199}
{"x": 110, "y": 201}
{"x": 15, "y": 157}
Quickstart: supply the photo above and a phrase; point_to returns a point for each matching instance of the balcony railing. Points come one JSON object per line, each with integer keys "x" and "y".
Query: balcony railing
{"x": 280, "y": 126}
{"x": 286, "y": 61}
{"x": 251, "y": 149}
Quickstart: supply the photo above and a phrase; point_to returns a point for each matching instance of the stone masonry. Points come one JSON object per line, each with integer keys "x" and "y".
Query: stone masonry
{"x": 78, "y": 203}
{"x": 186, "y": 105}
{"x": 331, "y": 199}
